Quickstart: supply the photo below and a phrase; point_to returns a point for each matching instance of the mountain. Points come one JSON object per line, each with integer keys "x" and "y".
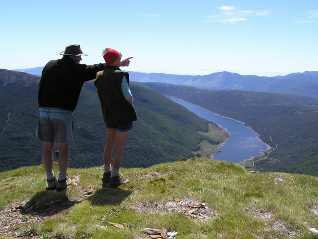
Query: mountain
{"x": 164, "y": 132}
{"x": 286, "y": 122}
{"x": 37, "y": 71}
{"x": 196, "y": 198}
{"x": 305, "y": 84}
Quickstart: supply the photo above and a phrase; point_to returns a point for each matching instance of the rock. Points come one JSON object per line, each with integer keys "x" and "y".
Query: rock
{"x": 315, "y": 211}
{"x": 160, "y": 233}
{"x": 117, "y": 225}
{"x": 278, "y": 180}
{"x": 313, "y": 230}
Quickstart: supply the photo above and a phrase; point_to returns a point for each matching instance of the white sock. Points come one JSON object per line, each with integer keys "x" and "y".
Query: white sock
{"x": 49, "y": 175}
{"x": 107, "y": 168}
{"x": 115, "y": 172}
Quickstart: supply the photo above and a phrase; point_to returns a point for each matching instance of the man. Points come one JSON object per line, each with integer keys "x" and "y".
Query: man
{"x": 118, "y": 111}
{"x": 59, "y": 90}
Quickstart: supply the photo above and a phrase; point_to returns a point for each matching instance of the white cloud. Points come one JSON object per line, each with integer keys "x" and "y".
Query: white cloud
{"x": 234, "y": 20}
{"x": 228, "y": 14}
{"x": 149, "y": 15}
{"x": 226, "y": 8}
{"x": 313, "y": 14}
{"x": 310, "y": 17}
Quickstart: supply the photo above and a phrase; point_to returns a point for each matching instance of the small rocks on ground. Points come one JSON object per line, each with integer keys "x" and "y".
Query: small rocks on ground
{"x": 188, "y": 207}
{"x": 282, "y": 228}
{"x": 11, "y": 219}
{"x": 260, "y": 213}
{"x": 74, "y": 180}
{"x": 279, "y": 180}
{"x": 160, "y": 233}
{"x": 152, "y": 175}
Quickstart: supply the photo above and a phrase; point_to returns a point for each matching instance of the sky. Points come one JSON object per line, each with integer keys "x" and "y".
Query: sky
{"x": 270, "y": 37}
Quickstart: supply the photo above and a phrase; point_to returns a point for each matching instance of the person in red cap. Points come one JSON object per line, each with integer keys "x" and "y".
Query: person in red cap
{"x": 59, "y": 89}
{"x": 118, "y": 112}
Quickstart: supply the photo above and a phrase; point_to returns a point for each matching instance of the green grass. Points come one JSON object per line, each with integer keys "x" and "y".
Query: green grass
{"x": 226, "y": 188}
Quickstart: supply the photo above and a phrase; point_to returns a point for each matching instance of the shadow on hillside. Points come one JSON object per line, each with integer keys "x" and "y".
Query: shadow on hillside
{"x": 47, "y": 203}
{"x": 109, "y": 196}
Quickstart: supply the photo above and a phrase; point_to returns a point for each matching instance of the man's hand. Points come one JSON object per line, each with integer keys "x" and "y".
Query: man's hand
{"x": 125, "y": 62}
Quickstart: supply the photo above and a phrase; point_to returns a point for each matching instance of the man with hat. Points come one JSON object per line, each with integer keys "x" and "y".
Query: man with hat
{"x": 59, "y": 89}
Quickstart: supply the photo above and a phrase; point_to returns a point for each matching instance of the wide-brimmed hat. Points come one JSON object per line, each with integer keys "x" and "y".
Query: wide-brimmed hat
{"x": 72, "y": 50}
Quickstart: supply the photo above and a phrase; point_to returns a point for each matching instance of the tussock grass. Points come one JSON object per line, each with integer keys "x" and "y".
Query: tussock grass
{"x": 228, "y": 189}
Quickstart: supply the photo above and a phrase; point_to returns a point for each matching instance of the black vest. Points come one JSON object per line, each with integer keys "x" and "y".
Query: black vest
{"x": 116, "y": 109}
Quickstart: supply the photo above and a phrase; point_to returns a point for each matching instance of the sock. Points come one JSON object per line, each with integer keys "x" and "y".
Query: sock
{"x": 62, "y": 176}
{"x": 49, "y": 175}
{"x": 107, "y": 168}
{"x": 115, "y": 172}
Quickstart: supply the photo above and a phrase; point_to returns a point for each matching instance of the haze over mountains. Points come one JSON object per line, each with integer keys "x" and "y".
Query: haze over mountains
{"x": 305, "y": 84}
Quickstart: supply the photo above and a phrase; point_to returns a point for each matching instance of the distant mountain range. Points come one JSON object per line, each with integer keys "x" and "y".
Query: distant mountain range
{"x": 305, "y": 83}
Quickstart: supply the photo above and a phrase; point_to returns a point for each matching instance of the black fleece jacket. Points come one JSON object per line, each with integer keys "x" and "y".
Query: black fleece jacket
{"x": 62, "y": 81}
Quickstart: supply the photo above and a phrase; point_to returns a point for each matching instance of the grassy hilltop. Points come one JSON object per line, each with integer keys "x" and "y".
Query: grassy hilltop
{"x": 196, "y": 198}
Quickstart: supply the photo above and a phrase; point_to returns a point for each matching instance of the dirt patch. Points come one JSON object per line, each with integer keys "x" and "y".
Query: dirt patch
{"x": 285, "y": 230}
{"x": 278, "y": 226}
{"x": 152, "y": 175}
{"x": 190, "y": 208}
{"x": 12, "y": 221}
{"x": 260, "y": 213}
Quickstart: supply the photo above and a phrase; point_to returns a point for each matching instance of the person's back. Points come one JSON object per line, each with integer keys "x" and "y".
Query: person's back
{"x": 62, "y": 81}
{"x": 117, "y": 110}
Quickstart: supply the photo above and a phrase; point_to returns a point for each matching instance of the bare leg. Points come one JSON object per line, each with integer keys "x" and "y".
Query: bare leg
{"x": 47, "y": 149}
{"x": 63, "y": 160}
{"x": 120, "y": 143}
{"x": 108, "y": 148}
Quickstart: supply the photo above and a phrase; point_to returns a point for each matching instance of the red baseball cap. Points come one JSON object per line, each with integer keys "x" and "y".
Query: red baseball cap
{"x": 110, "y": 55}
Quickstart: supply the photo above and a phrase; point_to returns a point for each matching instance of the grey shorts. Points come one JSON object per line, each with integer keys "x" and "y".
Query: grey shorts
{"x": 55, "y": 125}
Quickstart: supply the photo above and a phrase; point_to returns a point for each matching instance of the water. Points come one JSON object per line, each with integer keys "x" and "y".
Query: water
{"x": 243, "y": 143}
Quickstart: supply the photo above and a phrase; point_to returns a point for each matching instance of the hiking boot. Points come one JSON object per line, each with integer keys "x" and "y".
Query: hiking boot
{"x": 117, "y": 180}
{"x": 51, "y": 184}
{"x": 106, "y": 179}
{"x": 61, "y": 185}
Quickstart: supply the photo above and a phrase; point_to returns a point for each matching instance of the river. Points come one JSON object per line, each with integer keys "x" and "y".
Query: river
{"x": 243, "y": 143}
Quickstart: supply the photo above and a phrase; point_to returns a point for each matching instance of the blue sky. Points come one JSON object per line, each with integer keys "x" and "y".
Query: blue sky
{"x": 184, "y": 37}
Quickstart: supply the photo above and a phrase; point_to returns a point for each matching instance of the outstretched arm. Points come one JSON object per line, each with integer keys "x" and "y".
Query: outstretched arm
{"x": 125, "y": 62}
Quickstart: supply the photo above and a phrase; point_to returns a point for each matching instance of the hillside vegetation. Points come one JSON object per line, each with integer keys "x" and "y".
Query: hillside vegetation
{"x": 164, "y": 130}
{"x": 196, "y": 198}
{"x": 286, "y": 122}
